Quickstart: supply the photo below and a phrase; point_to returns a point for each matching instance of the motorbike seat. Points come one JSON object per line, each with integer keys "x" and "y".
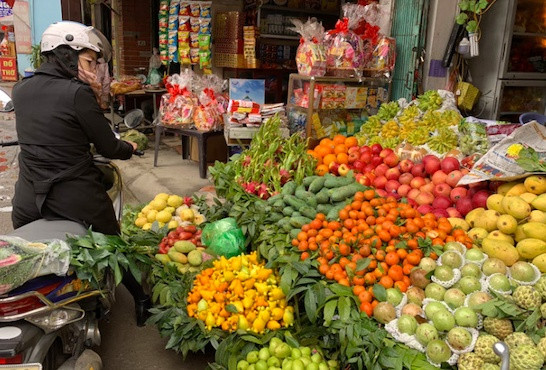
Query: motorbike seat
{"x": 49, "y": 229}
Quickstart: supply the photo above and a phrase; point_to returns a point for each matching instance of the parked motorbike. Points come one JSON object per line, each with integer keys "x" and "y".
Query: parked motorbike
{"x": 49, "y": 321}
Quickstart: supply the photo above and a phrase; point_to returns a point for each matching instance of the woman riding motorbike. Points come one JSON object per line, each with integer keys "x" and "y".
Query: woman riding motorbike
{"x": 57, "y": 119}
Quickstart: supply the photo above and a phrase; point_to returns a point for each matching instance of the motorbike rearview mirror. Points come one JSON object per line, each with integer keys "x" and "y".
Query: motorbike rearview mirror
{"x": 133, "y": 118}
{"x": 6, "y": 105}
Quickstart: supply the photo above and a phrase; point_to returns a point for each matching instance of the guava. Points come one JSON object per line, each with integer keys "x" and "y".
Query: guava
{"x": 305, "y": 351}
{"x": 415, "y": 295}
{"x": 443, "y": 320}
{"x": 444, "y": 273}
{"x": 478, "y": 298}
{"x": 499, "y": 282}
{"x": 438, "y": 351}
{"x": 466, "y": 316}
{"x": 261, "y": 365}
{"x": 471, "y": 269}
{"x": 407, "y": 324}
{"x": 296, "y": 353}
{"x": 452, "y": 259}
{"x": 433, "y": 307}
{"x": 384, "y": 312}
{"x": 418, "y": 278}
{"x": 459, "y": 338}
{"x": 323, "y": 366}
{"x": 523, "y": 271}
{"x": 252, "y": 357}
{"x": 242, "y": 365}
{"x": 474, "y": 254}
{"x": 425, "y": 333}
{"x": 492, "y": 266}
{"x": 454, "y": 297}
{"x": 287, "y": 363}
{"x": 427, "y": 264}
{"x": 454, "y": 246}
{"x": 283, "y": 350}
{"x": 412, "y": 309}
{"x": 306, "y": 361}
{"x": 264, "y": 354}
{"x": 273, "y": 362}
{"x": 394, "y": 296}
{"x": 435, "y": 291}
{"x": 470, "y": 284}
{"x": 273, "y": 344}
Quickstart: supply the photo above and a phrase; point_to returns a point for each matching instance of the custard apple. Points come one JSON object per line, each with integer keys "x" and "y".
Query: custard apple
{"x": 500, "y": 328}
{"x": 527, "y": 297}
{"x": 488, "y": 366}
{"x": 540, "y": 286}
{"x": 542, "y": 346}
{"x": 469, "y": 361}
{"x": 526, "y": 357}
{"x": 484, "y": 348}
{"x": 543, "y": 310}
{"x": 517, "y": 339}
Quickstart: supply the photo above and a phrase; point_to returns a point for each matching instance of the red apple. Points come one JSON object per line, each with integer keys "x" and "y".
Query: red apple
{"x": 432, "y": 163}
{"x": 442, "y": 190}
{"x": 424, "y": 209}
{"x": 392, "y": 174}
{"x": 439, "y": 212}
{"x": 376, "y": 149}
{"x": 449, "y": 164}
{"x": 392, "y": 186}
{"x": 376, "y": 160}
{"x": 405, "y": 165}
{"x": 479, "y": 200}
{"x": 494, "y": 185}
{"x": 452, "y": 212}
{"x": 353, "y": 157}
{"x": 429, "y": 187}
{"x": 441, "y": 202}
{"x": 418, "y": 170}
{"x": 334, "y": 167}
{"x": 464, "y": 205}
{"x": 381, "y": 170}
{"x": 365, "y": 149}
{"x": 391, "y": 160}
{"x": 404, "y": 189}
{"x": 369, "y": 168}
{"x": 354, "y": 149}
{"x": 380, "y": 182}
{"x": 405, "y": 178}
{"x": 385, "y": 152}
{"x": 453, "y": 178}
{"x": 465, "y": 171}
{"x": 424, "y": 197}
{"x": 366, "y": 157}
{"x": 439, "y": 177}
{"x": 343, "y": 170}
{"x": 413, "y": 203}
{"x": 458, "y": 192}
{"x": 417, "y": 182}
{"x": 364, "y": 180}
{"x": 358, "y": 165}
{"x": 413, "y": 193}
{"x": 382, "y": 193}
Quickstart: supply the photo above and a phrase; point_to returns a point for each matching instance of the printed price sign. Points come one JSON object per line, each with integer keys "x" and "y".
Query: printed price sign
{"x": 8, "y": 69}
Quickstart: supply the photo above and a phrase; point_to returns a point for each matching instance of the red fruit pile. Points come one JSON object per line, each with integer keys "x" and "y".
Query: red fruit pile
{"x": 190, "y": 233}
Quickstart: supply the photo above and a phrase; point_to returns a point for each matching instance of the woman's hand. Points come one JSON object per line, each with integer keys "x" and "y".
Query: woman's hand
{"x": 135, "y": 145}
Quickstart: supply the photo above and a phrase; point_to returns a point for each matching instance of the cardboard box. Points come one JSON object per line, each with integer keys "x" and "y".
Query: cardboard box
{"x": 229, "y": 60}
{"x": 229, "y": 25}
{"x": 216, "y": 149}
{"x": 229, "y": 46}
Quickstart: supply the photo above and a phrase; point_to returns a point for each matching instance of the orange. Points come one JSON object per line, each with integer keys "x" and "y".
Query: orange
{"x": 329, "y": 158}
{"x": 386, "y": 281}
{"x": 321, "y": 170}
{"x": 340, "y": 148}
{"x": 367, "y": 308}
{"x": 322, "y": 150}
{"x": 327, "y": 142}
{"x": 351, "y": 141}
{"x": 342, "y": 158}
{"x": 339, "y": 139}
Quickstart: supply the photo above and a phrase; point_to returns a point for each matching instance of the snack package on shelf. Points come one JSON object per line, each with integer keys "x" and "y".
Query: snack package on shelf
{"x": 311, "y": 54}
{"x": 344, "y": 49}
{"x": 178, "y": 105}
{"x": 163, "y": 31}
{"x": 172, "y": 36}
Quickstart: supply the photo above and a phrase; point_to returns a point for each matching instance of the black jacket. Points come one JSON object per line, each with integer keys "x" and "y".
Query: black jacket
{"x": 57, "y": 118}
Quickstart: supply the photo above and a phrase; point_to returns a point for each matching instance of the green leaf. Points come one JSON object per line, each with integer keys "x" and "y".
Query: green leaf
{"x": 290, "y": 340}
{"x": 344, "y": 307}
{"x": 231, "y": 308}
{"x": 362, "y": 263}
{"x": 472, "y": 26}
{"x": 380, "y": 292}
{"x": 252, "y": 339}
{"x": 461, "y": 18}
{"x": 329, "y": 310}
{"x": 340, "y": 290}
{"x": 310, "y": 303}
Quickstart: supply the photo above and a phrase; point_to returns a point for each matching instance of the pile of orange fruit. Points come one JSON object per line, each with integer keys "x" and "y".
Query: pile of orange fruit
{"x": 384, "y": 231}
{"x": 332, "y": 150}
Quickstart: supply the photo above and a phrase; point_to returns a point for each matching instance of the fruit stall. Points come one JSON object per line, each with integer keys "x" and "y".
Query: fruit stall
{"x": 390, "y": 249}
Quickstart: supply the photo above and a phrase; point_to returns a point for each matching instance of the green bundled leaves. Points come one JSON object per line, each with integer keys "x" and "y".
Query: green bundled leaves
{"x": 94, "y": 252}
{"x": 530, "y": 161}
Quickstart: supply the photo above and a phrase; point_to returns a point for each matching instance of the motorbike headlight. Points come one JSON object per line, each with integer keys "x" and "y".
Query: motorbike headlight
{"x": 53, "y": 320}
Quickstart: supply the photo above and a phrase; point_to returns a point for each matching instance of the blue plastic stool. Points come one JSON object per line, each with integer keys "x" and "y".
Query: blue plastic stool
{"x": 532, "y": 116}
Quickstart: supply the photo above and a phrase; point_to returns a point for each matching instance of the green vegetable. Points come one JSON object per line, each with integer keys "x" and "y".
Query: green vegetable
{"x": 294, "y": 202}
{"x": 308, "y": 212}
{"x": 294, "y": 233}
{"x": 308, "y": 180}
{"x": 289, "y": 188}
{"x": 274, "y": 198}
{"x": 336, "y": 182}
{"x": 296, "y": 214}
{"x": 138, "y": 137}
{"x": 279, "y": 203}
{"x": 334, "y": 212}
{"x": 317, "y": 184}
{"x": 283, "y": 221}
{"x": 323, "y": 196}
{"x": 324, "y": 208}
{"x": 287, "y": 211}
{"x": 298, "y": 222}
{"x": 275, "y": 217}
{"x": 345, "y": 192}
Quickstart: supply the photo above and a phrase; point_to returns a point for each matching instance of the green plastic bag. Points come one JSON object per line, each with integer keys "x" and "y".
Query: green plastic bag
{"x": 224, "y": 238}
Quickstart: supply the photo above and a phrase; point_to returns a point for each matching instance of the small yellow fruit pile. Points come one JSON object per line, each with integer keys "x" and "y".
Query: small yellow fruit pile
{"x": 239, "y": 293}
{"x": 168, "y": 210}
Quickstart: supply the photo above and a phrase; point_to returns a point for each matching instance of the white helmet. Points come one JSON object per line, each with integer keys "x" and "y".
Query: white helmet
{"x": 76, "y": 35}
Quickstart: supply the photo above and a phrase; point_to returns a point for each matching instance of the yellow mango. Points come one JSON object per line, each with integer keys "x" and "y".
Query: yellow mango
{"x": 536, "y": 230}
{"x": 517, "y": 190}
{"x": 458, "y": 223}
{"x": 530, "y": 248}
{"x": 505, "y": 188}
{"x": 540, "y": 262}
{"x": 536, "y": 184}
{"x": 502, "y": 250}
{"x": 540, "y": 202}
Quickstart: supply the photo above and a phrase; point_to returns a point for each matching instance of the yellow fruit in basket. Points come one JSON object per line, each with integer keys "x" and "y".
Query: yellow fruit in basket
{"x": 141, "y": 221}
{"x": 175, "y": 201}
{"x": 186, "y": 215}
{"x": 140, "y": 214}
{"x": 537, "y": 216}
{"x": 273, "y": 325}
{"x": 170, "y": 210}
{"x": 528, "y": 197}
{"x": 516, "y": 190}
{"x": 158, "y": 204}
{"x": 162, "y": 196}
{"x": 163, "y": 216}
{"x": 199, "y": 219}
{"x": 530, "y": 248}
{"x": 540, "y": 202}
{"x": 147, "y": 226}
{"x": 146, "y": 209}
{"x": 151, "y": 215}
{"x": 173, "y": 224}
{"x": 536, "y": 184}
{"x": 258, "y": 325}
{"x": 277, "y": 313}
{"x": 540, "y": 262}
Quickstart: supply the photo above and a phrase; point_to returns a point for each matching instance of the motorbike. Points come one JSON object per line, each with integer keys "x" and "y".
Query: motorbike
{"x": 50, "y": 321}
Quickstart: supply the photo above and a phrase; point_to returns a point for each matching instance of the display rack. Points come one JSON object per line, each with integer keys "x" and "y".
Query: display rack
{"x": 369, "y": 93}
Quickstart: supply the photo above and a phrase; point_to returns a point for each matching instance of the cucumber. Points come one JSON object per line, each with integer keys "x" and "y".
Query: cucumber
{"x": 294, "y": 202}
{"x": 345, "y": 192}
{"x": 289, "y": 188}
{"x": 304, "y": 194}
{"x": 322, "y": 196}
{"x": 296, "y": 214}
{"x": 317, "y": 185}
{"x": 276, "y": 216}
{"x": 287, "y": 227}
{"x": 298, "y": 222}
{"x": 287, "y": 211}
{"x": 283, "y": 221}
{"x": 274, "y": 198}
{"x": 324, "y": 208}
{"x": 294, "y": 233}
{"x": 308, "y": 212}
{"x": 333, "y": 214}
{"x": 308, "y": 180}
{"x": 279, "y": 203}
{"x": 336, "y": 182}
